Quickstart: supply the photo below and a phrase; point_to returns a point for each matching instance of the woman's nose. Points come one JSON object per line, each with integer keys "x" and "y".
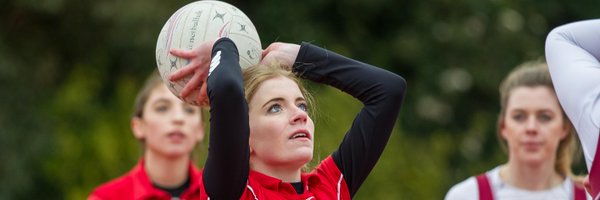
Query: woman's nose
{"x": 299, "y": 116}
{"x": 178, "y": 116}
{"x": 531, "y": 124}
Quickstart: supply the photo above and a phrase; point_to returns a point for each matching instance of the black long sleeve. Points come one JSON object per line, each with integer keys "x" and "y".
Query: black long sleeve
{"x": 380, "y": 91}
{"x": 227, "y": 166}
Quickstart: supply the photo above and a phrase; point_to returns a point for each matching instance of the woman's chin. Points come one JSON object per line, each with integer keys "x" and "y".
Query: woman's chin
{"x": 176, "y": 152}
{"x": 303, "y": 156}
{"x": 534, "y": 159}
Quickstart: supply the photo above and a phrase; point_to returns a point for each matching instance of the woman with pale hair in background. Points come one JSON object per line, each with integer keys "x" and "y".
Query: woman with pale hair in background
{"x": 540, "y": 142}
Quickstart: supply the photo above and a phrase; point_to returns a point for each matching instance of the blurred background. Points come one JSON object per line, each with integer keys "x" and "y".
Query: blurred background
{"x": 69, "y": 71}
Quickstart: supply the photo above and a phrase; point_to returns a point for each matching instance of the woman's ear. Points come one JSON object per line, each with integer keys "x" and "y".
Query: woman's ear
{"x": 137, "y": 128}
{"x": 200, "y": 134}
{"x": 566, "y": 130}
{"x": 250, "y": 147}
{"x": 502, "y": 129}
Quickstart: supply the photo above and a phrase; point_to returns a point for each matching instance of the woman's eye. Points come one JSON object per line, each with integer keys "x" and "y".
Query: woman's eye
{"x": 275, "y": 108}
{"x": 189, "y": 110}
{"x": 519, "y": 117}
{"x": 303, "y": 107}
{"x": 544, "y": 117}
{"x": 161, "y": 108}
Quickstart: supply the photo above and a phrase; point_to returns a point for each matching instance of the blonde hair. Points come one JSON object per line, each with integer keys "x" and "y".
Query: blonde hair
{"x": 254, "y": 76}
{"x": 532, "y": 74}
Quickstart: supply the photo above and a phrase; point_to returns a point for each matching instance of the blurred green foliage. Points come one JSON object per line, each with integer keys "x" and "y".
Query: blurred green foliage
{"x": 69, "y": 71}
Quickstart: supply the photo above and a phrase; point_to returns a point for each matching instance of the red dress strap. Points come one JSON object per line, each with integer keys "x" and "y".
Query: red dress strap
{"x": 485, "y": 189}
{"x": 594, "y": 175}
{"x": 578, "y": 192}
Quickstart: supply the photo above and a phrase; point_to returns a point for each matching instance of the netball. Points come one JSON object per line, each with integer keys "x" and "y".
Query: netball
{"x": 198, "y": 22}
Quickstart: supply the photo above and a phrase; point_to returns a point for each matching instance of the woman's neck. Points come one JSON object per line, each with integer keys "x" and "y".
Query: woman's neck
{"x": 530, "y": 177}
{"x": 166, "y": 172}
{"x": 284, "y": 173}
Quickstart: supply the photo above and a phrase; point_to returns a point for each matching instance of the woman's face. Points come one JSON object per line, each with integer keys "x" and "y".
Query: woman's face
{"x": 169, "y": 127}
{"x": 281, "y": 132}
{"x": 533, "y": 125}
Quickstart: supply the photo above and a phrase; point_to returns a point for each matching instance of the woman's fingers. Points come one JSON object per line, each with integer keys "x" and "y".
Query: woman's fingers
{"x": 187, "y": 54}
{"x": 195, "y": 82}
{"x": 202, "y": 96}
{"x": 285, "y": 53}
{"x": 183, "y": 72}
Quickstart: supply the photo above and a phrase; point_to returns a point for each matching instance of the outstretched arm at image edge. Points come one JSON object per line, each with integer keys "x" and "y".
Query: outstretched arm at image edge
{"x": 572, "y": 53}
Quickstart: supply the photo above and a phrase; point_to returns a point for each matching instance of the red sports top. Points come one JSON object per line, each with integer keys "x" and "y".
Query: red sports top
{"x": 136, "y": 185}
{"x": 326, "y": 182}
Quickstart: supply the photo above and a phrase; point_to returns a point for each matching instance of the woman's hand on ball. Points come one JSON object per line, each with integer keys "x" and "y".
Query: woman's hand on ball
{"x": 199, "y": 61}
{"x": 283, "y": 53}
